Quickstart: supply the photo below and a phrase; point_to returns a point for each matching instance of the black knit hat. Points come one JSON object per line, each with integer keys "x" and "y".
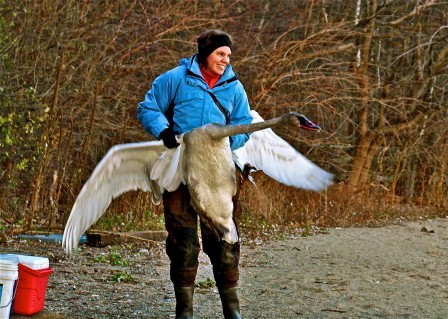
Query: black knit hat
{"x": 209, "y": 41}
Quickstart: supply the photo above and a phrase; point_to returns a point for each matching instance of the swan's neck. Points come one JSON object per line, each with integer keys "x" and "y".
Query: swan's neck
{"x": 218, "y": 131}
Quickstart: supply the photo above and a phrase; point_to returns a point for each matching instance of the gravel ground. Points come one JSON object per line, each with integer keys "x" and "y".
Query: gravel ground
{"x": 397, "y": 271}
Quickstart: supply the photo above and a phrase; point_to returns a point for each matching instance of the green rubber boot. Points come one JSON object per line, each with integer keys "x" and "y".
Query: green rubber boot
{"x": 230, "y": 303}
{"x": 184, "y": 302}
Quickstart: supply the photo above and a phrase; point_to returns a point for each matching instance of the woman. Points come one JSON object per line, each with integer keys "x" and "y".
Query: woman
{"x": 201, "y": 90}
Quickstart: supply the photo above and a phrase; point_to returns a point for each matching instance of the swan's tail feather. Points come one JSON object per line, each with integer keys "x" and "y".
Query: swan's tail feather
{"x": 227, "y": 232}
{"x": 230, "y": 235}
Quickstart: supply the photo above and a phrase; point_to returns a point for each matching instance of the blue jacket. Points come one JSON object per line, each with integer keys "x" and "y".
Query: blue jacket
{"x": 193, "y": 106}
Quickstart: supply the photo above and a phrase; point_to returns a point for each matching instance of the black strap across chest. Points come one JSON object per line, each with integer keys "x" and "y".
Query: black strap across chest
{"x": 169, "y": 114}
{"x": 220, "y": 107}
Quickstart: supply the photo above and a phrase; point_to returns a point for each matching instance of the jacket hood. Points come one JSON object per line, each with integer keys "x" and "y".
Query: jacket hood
{"x": 186, "y": 62}
{"x": 192, "y": 65}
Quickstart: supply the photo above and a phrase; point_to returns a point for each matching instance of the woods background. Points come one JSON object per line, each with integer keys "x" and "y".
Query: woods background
{"x": 372, "y": 73}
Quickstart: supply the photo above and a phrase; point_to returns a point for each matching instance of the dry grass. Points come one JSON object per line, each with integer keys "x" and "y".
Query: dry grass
{"x": 270, "y": 205}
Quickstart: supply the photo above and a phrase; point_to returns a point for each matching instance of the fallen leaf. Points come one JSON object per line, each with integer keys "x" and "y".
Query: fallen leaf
{"x": 427, "y": 229}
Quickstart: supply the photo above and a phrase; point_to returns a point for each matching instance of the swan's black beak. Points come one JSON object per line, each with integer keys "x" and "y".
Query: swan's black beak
{"x": 306, "y": 124}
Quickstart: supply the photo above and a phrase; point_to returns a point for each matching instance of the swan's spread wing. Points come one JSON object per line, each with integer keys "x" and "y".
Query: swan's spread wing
{"x": 125, "y": 167}
{"x": 268, "y": 152}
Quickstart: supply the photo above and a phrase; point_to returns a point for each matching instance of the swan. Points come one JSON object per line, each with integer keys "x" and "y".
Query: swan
{"x": 203, "y": 161}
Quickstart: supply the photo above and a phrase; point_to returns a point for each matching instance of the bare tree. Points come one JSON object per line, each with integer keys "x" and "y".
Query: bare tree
{"x": 372, "y": 73}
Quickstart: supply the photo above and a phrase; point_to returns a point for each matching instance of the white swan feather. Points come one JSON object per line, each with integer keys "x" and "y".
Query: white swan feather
{"x": 125, "y": 167}
{"x": 268, "y": 152}
{"x": 204, "y": 162}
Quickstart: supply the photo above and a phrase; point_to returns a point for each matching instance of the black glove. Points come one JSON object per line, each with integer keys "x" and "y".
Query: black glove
{"x": 169, "y": 138}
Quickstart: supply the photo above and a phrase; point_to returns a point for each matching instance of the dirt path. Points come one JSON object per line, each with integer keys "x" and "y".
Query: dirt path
{"x": 397, "y": 271}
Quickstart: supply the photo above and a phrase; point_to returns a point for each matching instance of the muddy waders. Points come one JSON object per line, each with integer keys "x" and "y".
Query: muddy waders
{"x": 182, "y": 247}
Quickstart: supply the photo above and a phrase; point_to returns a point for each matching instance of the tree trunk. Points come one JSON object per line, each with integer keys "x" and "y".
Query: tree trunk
{"x": 360, "y": 161}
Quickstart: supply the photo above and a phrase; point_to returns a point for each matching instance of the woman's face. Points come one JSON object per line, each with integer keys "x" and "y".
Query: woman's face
{"x": 218, "y": 60}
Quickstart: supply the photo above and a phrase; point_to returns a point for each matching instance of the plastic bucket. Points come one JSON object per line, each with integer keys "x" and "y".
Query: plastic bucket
{"x": 8, "y": 279}
{"x": 31, "y": 290}
{"x": 33, "y": 262}
{"x": 32, "y": 285}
